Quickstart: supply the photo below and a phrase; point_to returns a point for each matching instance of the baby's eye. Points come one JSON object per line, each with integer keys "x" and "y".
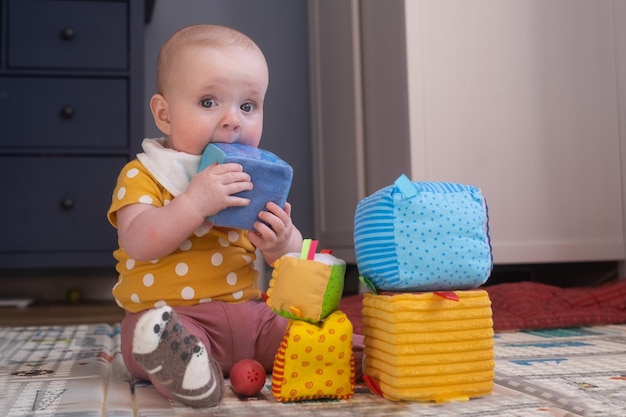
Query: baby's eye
{"x": 208, "y": 103}
{"x": 247, "y": 107}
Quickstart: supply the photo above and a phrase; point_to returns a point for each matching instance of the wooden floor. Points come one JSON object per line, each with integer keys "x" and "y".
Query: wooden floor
{"x": 61, "y": 313}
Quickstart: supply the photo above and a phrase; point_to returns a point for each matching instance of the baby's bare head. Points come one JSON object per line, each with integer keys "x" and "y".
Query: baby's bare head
{"x": 202, "y": 36}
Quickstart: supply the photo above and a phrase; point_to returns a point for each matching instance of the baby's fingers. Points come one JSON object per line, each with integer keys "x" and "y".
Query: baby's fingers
{"x": 238, "y": 185}
{"x": 234, "y": 200}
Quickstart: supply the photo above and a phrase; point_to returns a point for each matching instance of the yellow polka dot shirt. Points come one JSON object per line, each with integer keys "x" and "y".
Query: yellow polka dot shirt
{"x": 214, "y": 263}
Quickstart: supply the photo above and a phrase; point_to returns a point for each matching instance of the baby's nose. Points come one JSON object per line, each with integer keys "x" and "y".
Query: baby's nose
{"x": 231, "y": 120}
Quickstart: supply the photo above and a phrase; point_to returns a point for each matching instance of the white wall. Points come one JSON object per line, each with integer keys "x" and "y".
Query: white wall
{"x": 521, "y": 99}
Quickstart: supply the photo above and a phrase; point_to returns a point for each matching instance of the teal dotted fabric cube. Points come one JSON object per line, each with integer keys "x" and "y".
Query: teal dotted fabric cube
{"x": 423, "y": 236}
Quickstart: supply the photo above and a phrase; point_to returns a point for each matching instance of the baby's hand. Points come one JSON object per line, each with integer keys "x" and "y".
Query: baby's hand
{"x": 211, "y": 190}
{"x": 278, "y": 235}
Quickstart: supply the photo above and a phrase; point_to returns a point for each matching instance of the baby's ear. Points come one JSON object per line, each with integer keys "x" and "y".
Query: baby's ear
{"x": 161, "y": 113}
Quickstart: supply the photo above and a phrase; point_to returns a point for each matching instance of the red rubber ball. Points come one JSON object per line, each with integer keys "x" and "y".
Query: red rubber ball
{"x": 247, "y": 377}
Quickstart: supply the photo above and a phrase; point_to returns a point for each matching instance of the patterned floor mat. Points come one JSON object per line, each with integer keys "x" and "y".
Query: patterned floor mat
{"x": 74, "y": 371}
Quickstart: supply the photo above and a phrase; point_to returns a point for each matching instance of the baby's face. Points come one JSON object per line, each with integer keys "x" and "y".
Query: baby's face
{"x": 217, "y": 96}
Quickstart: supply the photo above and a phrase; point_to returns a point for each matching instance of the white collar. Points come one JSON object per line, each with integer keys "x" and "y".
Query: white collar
{"x": 172, "y": 168}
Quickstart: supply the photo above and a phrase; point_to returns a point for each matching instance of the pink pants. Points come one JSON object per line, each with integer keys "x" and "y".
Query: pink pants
{"x": 230, "y": 332}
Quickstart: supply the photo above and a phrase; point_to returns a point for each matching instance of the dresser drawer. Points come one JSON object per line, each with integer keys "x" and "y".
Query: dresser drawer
{"x": 68, "y": 34}
{"x": 58, "y": 204}
{"x": 61, "y": 113}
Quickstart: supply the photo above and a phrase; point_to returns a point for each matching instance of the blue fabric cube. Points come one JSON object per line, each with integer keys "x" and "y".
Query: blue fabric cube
{"x": 423, "y": 236}
{"x": 270, "y": 175}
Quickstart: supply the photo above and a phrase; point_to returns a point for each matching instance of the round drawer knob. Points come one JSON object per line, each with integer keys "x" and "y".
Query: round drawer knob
{"x": 67, "y": 112}
{"x": 67, "y": 204}
{"x": 68, "y": 33}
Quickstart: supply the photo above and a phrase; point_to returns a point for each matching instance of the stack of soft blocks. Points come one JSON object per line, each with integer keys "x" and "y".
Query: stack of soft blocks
{"x": 423, "y": 250}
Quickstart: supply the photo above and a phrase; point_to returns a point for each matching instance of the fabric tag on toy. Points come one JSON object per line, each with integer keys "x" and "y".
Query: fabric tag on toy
{"x": 423, "y": 236}
{"x": 270, "y": 175}
{"x": 315, "y": 361}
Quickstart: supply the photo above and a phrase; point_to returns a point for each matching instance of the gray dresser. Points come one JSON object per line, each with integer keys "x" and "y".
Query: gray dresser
{"x": 71, "y": 115}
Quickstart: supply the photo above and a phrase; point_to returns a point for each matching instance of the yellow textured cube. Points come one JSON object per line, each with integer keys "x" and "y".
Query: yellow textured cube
{"x": 315, "y": 360}
{"x": 423, "y": 347}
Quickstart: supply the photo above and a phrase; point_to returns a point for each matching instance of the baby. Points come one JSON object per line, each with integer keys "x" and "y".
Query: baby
{"x": 189, "y": 287}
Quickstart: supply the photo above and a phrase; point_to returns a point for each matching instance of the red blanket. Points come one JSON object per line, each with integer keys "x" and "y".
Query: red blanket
{"x": 531, "y": 305}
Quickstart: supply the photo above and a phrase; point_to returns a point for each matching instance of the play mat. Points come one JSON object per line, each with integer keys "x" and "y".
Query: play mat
{"x": 563, "y": 365}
